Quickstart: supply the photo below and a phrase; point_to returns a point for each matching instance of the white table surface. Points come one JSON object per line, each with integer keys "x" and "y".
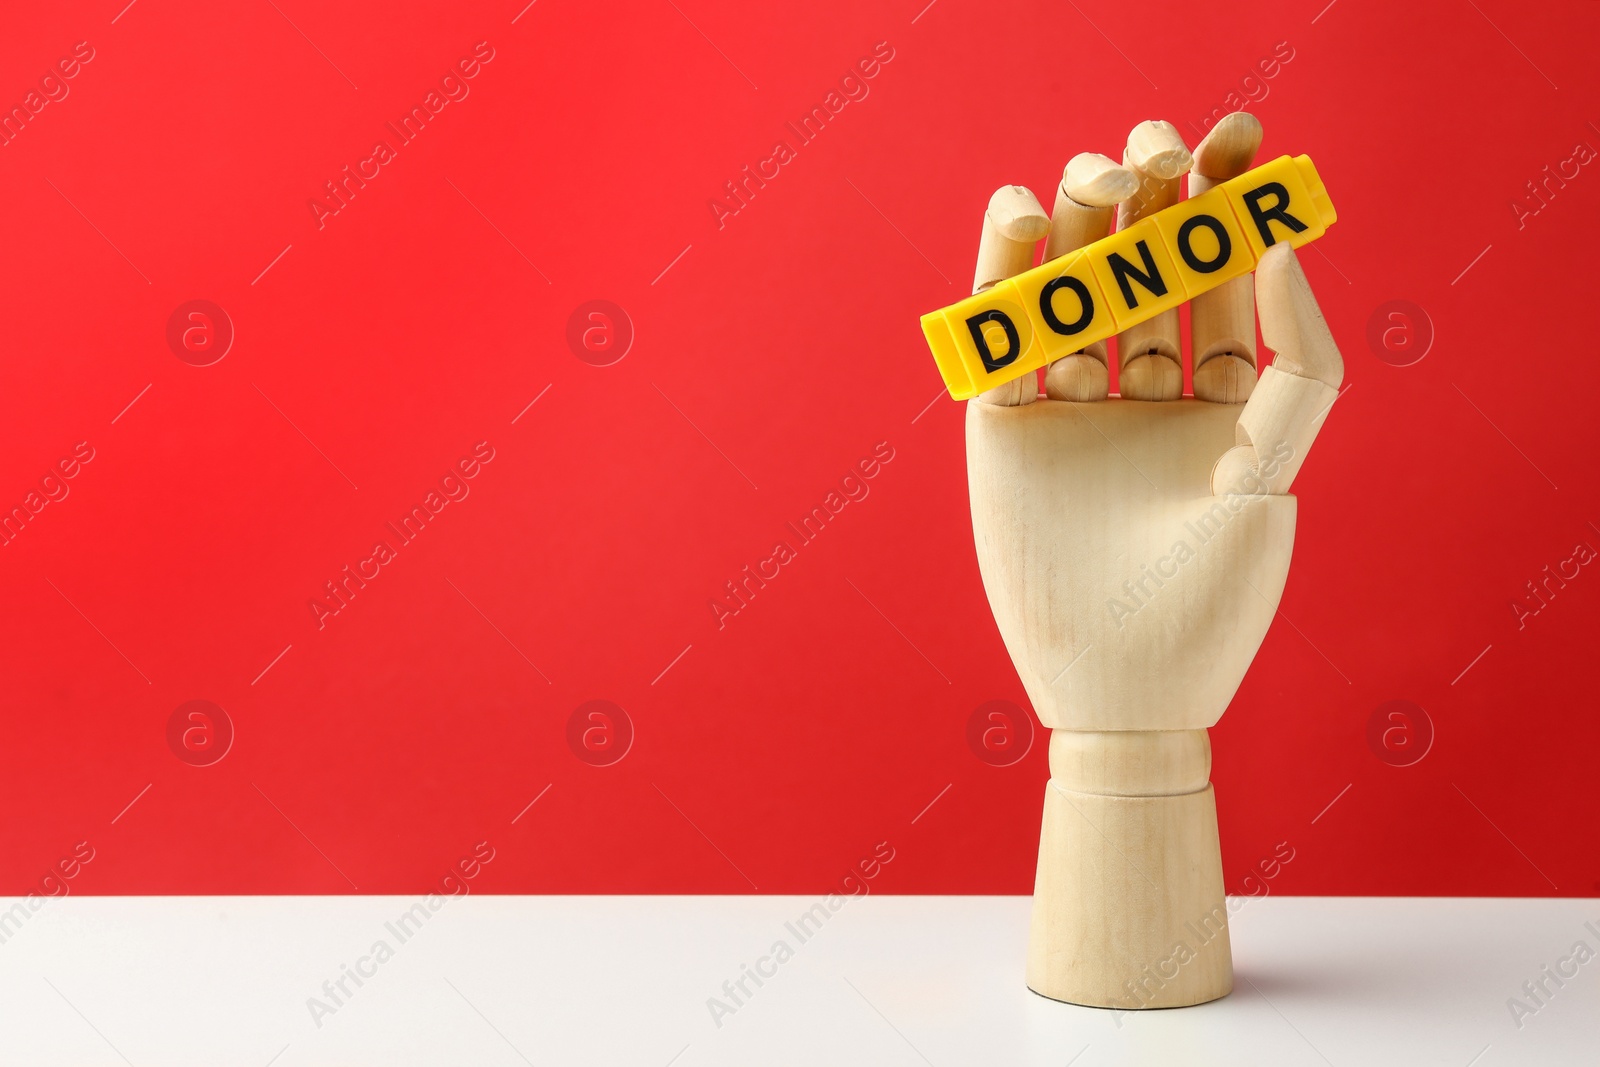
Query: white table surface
{"x": 492, "y": 980}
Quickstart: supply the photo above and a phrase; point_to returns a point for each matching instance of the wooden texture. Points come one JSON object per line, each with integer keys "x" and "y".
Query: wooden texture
{"x": 1076, "y": 511}
{"x": 1291, "y": 402}
{"x": 1149, "y": 359}
{"x": 1012, "y": 227}
{"x": 1091, "y": 187}
{"x": 1166, "y": 945}
{"x": 1222, "y": 324}
{"x": 1071, "y": 501}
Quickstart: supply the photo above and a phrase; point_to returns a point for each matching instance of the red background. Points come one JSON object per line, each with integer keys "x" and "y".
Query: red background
{"x": 770, "y": 355}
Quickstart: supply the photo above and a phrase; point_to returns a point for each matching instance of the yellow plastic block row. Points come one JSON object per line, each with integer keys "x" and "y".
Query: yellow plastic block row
{"x": 1159, "y": 262}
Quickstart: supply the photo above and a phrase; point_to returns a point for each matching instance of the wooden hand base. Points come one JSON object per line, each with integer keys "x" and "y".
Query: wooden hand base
{"x": 1128, "y": 905}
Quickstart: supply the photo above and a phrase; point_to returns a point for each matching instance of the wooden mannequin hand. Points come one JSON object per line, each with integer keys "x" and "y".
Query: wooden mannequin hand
{"x": 1134, "y": 548}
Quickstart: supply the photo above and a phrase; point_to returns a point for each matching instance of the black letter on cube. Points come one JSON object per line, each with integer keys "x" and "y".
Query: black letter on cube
{"x": 1047, "y": 310}
{"x": 1224, "y": 244}
{"x": 991, "y": 362}
{"x": 1263, "y": 216}
{"x": 1150, "y": 277}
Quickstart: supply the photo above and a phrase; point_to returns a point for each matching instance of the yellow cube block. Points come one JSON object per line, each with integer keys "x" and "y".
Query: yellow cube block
{"x": 1136, "y": 273}
{"x": 1205, "y": 241}
{"x": 991, "y": 338}
{"x": 946, "y": 355}
{"x": 1065, "y": 305}
{"x": 1280, "y": 201}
